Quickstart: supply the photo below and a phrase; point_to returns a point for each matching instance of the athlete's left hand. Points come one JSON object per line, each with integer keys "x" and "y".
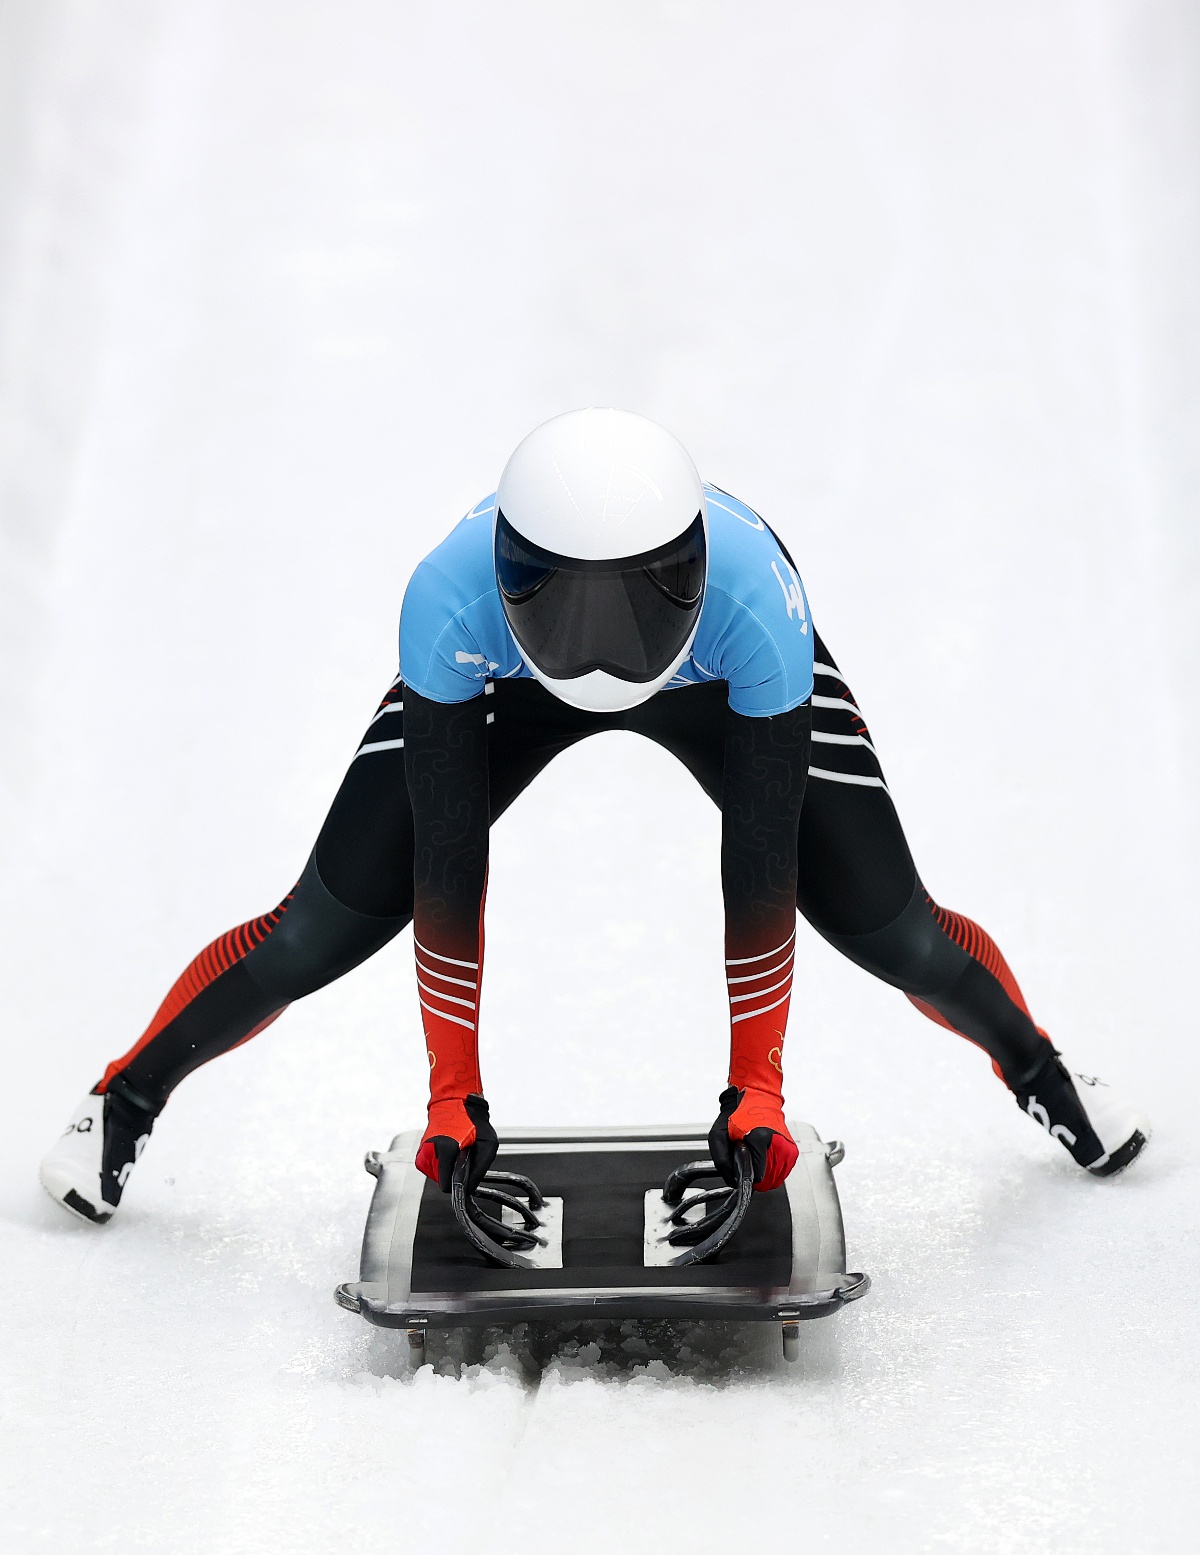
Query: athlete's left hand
{"x": 756, "y": 1117}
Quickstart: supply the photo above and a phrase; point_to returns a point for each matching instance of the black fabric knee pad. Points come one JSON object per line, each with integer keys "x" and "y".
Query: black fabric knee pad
{"x": 912, "y": 953}
{"x": 316, "y": 941}
{"x": 915, "y": 954}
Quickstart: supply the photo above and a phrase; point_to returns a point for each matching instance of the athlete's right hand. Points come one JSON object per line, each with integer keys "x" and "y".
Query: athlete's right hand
{"x": 453, "y": 1126}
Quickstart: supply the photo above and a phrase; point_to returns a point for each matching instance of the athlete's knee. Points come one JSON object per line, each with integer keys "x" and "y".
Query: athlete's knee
{"x": 981, "y": 950}
{"x": 912, "y": 952}
{"x": 315, "y": 940}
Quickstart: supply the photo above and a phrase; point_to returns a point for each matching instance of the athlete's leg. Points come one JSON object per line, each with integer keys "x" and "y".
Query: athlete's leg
{"x": 356, "y": 893}
{"x": 858, "y": 885}
{"x": 859, "y": 888}
{"x": 755, "y": 769}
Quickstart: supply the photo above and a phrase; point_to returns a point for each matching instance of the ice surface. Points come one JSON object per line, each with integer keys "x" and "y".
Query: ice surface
{"x": 280, "y": 286}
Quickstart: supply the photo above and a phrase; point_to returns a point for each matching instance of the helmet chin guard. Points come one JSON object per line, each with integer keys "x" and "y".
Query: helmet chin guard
{"x": 601, "y": 551}
{"x": 600, "y": 692}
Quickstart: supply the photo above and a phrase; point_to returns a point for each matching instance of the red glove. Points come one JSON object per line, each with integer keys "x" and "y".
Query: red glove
{"x": 756, "y": 1117}
{"x": 453, "y": 1126}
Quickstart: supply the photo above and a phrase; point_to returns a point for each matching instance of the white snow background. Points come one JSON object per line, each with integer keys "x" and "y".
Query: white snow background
{"x": 281, "y": 285}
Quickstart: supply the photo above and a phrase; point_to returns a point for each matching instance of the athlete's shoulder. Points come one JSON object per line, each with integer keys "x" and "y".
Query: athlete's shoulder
{"x": 741, "y": 539}
{"x": 453, "y": 636}
{"x": 722, "y": 506}
{"x": 459, "y": 566}
{"x": 755, "y": 630}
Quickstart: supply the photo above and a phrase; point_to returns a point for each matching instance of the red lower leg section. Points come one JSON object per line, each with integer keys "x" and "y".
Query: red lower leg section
{"x": 981, "y": 947}
{"x": 262, "y": 1026}
{"x": 760, "y": 987}
{"x": 449, "y": 977}
{"x": 214, "y": 959}
{"x": 929, "y": 1011}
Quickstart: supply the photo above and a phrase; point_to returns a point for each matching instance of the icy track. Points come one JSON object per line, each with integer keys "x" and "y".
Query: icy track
{"x": 280, "y": 287}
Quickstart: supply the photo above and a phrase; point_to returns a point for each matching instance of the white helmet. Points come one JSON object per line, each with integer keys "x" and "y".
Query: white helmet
{"x": 601, "y": 548}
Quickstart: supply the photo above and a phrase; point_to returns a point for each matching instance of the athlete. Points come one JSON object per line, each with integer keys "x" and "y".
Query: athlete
{"x": 603, "y": 586}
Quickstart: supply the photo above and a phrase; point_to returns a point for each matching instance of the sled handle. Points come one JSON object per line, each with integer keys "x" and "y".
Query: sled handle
{"x": 480, "y": 1229}
{"x": 739, "y": 1202}
{"x": 681, "y": 1179}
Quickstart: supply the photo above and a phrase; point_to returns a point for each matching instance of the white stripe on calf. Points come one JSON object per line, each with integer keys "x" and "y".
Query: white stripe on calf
{"x": 848, "y": 777}
{"x": 458, "y": 1021}
{"x": 378, "y": 745}
{"x": 459, "y": 982}
{"x": 750, "y": 1014}
{"x": 392, "y": 707}
{"x": 467, "y": 1004}
{"x": 756, "y": 977}
{"x": 760, "y": 993}
{"x": 828, "y": 669}
{"x": 746, "y": 960}
{"x": 425, "y": 950}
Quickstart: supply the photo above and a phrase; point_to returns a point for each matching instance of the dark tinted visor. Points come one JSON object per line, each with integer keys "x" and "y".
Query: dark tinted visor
{"x": 630, "y": 617}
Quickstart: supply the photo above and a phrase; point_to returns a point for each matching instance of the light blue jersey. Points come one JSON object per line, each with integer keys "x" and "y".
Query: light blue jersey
{"x": 754, "y": 631}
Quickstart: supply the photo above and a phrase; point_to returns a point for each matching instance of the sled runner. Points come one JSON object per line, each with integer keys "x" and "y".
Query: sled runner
{"x": 585, "y": 1231}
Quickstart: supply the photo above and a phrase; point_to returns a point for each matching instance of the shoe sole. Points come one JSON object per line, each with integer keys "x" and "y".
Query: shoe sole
{"x": 77, "y": 1205}
{"x": 1123, "y": 1157}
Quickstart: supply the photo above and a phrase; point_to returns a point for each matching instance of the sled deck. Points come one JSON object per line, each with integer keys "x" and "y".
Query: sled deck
{"x": 601, "y": 1252}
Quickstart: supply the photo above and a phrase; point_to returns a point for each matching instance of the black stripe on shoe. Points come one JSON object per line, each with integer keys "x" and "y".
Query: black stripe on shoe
{"x": 80, "y": 1205}
{"x": 1121, "y": 1158}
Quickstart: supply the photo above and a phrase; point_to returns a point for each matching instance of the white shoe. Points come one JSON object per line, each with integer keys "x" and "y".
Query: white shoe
{"x": 1101, "y": 1130}
{"x": 76, "y": 1173}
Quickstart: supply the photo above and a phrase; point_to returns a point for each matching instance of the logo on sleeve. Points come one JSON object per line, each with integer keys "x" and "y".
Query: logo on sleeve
{"x": 485, "y": 665}
{"x": 793, "y": 594}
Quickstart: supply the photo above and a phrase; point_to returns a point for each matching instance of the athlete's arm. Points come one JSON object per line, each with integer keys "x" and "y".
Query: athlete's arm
{"x": 445, "y": 760}
{"x": 766, "y": 765}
